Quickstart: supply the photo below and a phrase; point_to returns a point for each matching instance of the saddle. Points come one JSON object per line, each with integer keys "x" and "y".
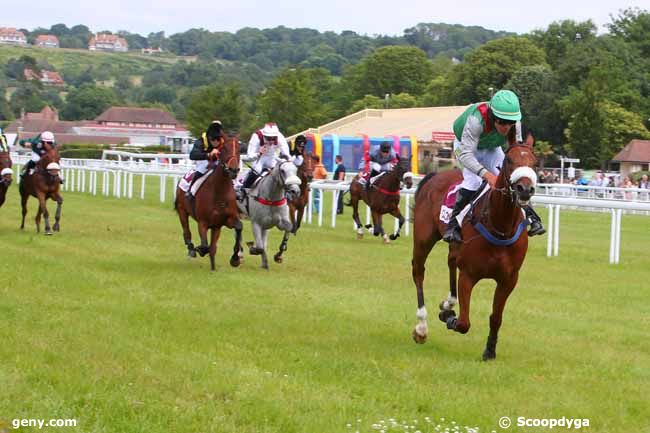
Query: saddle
{"x": 184, "y": 183}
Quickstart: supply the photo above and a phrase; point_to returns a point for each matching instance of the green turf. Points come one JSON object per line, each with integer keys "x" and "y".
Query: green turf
{"x": 108, "y": 323}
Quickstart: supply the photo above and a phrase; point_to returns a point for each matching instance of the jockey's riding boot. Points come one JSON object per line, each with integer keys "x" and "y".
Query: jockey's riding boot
{"x": 195, "y": 177}
{"x": 250, "y": 179}
{"x": 453, "y": 233}
{"x": 30, "y": 164}
{"x": 536, "y": 227}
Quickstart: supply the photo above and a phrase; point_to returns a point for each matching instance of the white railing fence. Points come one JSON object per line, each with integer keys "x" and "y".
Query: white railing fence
{"x": 117, "y": 178}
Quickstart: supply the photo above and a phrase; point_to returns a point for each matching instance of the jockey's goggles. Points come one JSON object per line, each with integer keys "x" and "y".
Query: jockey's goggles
{"x": 504, "y": 121}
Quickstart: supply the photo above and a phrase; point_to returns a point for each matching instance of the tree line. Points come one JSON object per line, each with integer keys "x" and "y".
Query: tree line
{"x": 584, "y": 94}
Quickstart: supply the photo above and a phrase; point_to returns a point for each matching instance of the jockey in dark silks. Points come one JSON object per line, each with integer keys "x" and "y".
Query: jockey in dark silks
{"x": 205, "y": 148}
{"x": 480, "y": 135}
{"x": 38, "y": 145}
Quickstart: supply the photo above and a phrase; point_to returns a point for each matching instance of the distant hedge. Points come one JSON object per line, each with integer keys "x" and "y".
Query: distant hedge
{"x": 94, "y": 151}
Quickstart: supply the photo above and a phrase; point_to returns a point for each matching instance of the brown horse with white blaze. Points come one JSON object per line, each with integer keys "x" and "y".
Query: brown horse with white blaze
{"x": 214, "y": 206}
{"x": 44, "y": 183}
{"x": 6, "y": 175}
{"x": 493, "y": 247}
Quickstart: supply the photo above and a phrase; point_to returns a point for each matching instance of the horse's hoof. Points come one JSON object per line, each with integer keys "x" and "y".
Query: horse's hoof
{"x": 489, "y": 355}
{"x": 393, "y": 237}
{"x": 202, "y": 251}
{"x": 191, "y": 254}
{"x": 419, "y": 339}
{"x": 55, "y": 228}
{"x": 451, "y": 322}
{"x": 277, "y": 258}
{"x": 48, "y": 233}
{"x": 444, "y": 315}
{"x": 235, "y": 262}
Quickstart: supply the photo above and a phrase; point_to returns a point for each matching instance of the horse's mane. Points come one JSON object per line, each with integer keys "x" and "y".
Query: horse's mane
{"x": 424, "y": 180}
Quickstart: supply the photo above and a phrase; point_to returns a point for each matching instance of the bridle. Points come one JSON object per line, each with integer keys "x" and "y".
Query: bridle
{"x": 225, "y": 165}
{"x": 506, "y": 171}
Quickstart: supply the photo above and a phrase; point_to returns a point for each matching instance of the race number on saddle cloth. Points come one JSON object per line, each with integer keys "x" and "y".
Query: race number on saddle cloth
{"x": 186, "y": 181}
{"x": 447, "y": 207}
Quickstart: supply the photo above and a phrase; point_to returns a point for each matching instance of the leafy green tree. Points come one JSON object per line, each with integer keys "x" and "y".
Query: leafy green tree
{"x": 88, "y": 102}
{"x": 160, "y": 94}
{"x": 585, "y": 120}
{"x": 215, "y": 103}
{"x": 559, "y": 36}
{"x": 27, "y": 97}
{"x": 368, "y": 101}
{"x": 491, "y": 66}
{"x": 291, "y": 101}
{"x": 633, "y": 25}
{"x": 395, "y": 69}
{"x": 619, "y": 127}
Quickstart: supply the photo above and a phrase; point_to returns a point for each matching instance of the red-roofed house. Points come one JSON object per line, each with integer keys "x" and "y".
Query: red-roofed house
{"x": 117, "y": 125}
{"x": 47, "y": 41}
{"x": 634, "y": 157}
{"x": 47, "y": 78}
{"x": 9, "y": 35}
{"x": 104, "y": 42}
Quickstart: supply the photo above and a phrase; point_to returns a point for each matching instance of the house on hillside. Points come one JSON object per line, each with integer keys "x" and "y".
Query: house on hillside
{"x": 634, "y": 157}
{"x": 47, "y": 78}
{"x": 47, "y": 41}
{"x": 9, "y": 35}
{"x": 105, "y": 42}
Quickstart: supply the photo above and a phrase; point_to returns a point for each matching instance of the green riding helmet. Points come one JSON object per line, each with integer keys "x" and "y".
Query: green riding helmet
{"x": 505, "y": 105}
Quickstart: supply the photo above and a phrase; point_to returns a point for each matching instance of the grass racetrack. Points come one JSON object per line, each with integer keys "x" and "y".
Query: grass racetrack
{"x": 108, "y": 323}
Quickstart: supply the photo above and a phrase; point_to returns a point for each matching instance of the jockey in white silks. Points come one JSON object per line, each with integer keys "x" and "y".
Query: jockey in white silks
{"x": 266, "y": 145}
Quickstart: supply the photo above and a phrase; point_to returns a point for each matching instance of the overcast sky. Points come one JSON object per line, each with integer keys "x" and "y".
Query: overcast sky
{"x": 362, "y": 16}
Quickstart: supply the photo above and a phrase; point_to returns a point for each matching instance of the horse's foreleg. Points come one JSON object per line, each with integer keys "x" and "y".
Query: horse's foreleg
{"x": 260, "y": 244}
{"x": 204, "y": 248}
{"x": 57, "y": 216}
{"x": 300, "y": 213}
{"x": 23, "y": 205}
{"x": 421, "y": 249}
{"x": 397, "y": 214}
{"x": 235, "y": 259}
{"x": 213, "y": 245}
{"x": 465, "y": 286}
{"x": 185, "y": 225}
{"x": 503, "y": 290}
{"x": 378, "y": 229}
{"x": 41, "y": 210}
{"x": 283, "y": 247}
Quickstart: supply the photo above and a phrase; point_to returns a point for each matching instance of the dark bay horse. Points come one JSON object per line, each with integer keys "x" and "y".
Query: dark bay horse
{"x": 44, "y": 183}
{"x": 297, "y": 205}
{"x": 6, "y": 175}
{"x": 382, "y": 197}
{"x": 498, "y": 213}
{"x": 215, "y": 205}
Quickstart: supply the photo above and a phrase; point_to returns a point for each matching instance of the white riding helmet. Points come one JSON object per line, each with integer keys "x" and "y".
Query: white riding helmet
{"x": 270, "y": 130}
{"x": 47, "y": 136}
{"x": 407, "y": 175}
{"x": 6, "y": 171}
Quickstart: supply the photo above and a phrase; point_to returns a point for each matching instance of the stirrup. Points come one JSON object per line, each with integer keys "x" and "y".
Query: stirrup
{"x": 536, "y": 228}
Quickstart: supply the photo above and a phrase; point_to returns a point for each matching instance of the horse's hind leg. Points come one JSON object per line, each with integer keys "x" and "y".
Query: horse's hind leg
{"x": 213, "y": 245}
{"x": 447, "y": 305}
{"x": 184, "y": 219}
{"x": 300, "y": 213}
{"x": 41, "y": 210}
{"x": 354, "y": 202}
{"x": 57, "y": 216}
{"x": 378, "y": 228}
{"x": 397, "y": 214}
{"x": 235, "y": 259}
{"x": 503, "y": 290}
{"x": 422, "y": 246}
{"x": 465, "y": 285}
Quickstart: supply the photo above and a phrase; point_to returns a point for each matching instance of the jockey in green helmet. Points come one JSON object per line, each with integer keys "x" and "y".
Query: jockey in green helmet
{"x": 480, "y": 133}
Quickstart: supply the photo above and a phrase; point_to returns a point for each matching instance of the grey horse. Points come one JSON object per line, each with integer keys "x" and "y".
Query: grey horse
{"x": 267, "y": 207}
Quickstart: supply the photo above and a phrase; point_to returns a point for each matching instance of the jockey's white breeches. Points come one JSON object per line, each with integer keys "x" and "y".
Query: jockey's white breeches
{"x": 264, "y": 162}
{"x": 202, "y": 166}
{"x": 491, "y": 159}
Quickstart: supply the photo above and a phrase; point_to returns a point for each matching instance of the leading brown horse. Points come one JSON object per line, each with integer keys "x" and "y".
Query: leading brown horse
{"x": 497, "y": 216}
{"x": 214, "y": 206}
{"x": 382, "y": 197}
{"x": 297, "y": 205}
{"x": 6, "y": 175}
{"x": 43, "y": 183}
